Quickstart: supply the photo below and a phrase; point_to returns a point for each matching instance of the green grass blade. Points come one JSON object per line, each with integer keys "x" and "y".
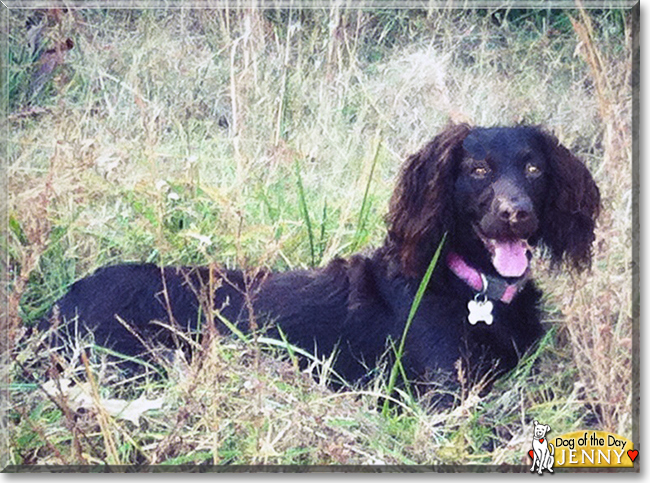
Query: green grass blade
{"x": 321, "y": 242}
{"x": 305, "y": 213}
{"x": 395, "y": 370}
{"x": 289, "y": 347}
{"x": 363, "y": 212}
{"x": 232, "y": 327}
{"x": 17, "y": 230}
{"x": 297, "y": 350}
{"x": 125, "y": 357}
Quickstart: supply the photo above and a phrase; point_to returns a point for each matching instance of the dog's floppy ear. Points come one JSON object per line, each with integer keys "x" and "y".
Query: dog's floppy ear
{"x": 572, "y": 206}
{"x": 535, "y": 423}
{"x": 421, "y": 206}
{"x": 548, "y": 428}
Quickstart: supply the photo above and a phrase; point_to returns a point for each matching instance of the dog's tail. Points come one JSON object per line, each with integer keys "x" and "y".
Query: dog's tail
{"x": 551, "y": 449}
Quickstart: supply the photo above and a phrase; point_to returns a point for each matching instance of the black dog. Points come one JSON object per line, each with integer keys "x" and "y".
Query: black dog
{"x": 496, "y": 192}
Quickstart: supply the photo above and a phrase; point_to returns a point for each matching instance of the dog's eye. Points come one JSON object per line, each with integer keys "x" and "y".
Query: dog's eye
{"x": 533, "y": 170}
{"x": 480, "y": 171}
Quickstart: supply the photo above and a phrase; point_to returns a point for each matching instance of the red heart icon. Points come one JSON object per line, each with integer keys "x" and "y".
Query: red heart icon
{"x": 532, "y": 454}
{"x": 541, "y": 440}
{"x": 632, "y": 454}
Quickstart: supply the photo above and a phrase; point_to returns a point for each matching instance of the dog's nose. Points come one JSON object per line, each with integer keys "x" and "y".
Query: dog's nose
{"x": 514, "y": 211}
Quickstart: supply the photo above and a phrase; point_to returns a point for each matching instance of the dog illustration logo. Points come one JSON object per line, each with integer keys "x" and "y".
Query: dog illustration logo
{"x": 543, "y": 452}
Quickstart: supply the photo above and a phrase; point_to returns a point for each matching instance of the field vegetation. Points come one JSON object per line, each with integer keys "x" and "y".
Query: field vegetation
{"x": 272, "y": 137}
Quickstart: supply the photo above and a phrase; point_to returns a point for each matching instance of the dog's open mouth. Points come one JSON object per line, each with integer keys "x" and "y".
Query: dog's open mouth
{"x": 510, "y": 257}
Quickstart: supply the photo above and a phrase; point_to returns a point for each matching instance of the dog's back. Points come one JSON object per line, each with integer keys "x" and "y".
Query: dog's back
{"x": 120, "y": 304}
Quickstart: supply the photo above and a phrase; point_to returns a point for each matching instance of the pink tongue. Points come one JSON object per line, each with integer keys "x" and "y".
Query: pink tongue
{"x": 510, "y": 258}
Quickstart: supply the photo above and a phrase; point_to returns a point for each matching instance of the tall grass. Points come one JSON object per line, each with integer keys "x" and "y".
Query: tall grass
{"x": 399, "y": 352}
{"x": 270, "y": 137}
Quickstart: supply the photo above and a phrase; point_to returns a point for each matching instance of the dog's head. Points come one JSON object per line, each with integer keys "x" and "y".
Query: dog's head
{"x": 497, "y": 192}
{"x": 540, "y": 430}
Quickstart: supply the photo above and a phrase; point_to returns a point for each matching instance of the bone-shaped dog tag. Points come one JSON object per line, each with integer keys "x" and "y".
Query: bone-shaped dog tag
{"x": 480, "y": 311}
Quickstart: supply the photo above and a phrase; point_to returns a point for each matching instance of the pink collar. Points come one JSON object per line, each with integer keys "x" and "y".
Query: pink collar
{"x": 494, "y": 288}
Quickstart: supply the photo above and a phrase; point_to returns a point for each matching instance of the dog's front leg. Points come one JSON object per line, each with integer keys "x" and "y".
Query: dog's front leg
{"x": 542, "y": 460}
{"x": 535, "y": 460}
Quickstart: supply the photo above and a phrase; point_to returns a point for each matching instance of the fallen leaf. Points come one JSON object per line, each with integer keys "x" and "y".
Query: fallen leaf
{"x": 79, "y": 396}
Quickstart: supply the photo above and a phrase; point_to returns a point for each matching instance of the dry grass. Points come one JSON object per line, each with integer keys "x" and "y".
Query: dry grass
{"x": 272, "y": 138}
